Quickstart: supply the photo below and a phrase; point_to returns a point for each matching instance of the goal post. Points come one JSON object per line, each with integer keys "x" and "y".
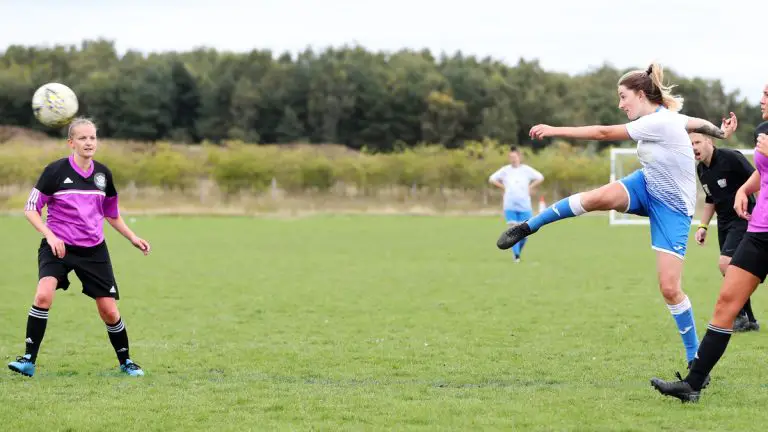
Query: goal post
{"x": 624, "y": 161}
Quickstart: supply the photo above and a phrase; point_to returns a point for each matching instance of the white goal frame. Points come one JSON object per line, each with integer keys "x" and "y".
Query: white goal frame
{"x": 615, "y": 218}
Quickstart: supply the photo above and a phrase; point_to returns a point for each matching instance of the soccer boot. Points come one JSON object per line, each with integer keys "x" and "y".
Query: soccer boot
{"x": 22, "y": 365}
{"x": 513, "y": 235}
{"x": 677, "y": 389}
{"x": 741, "y": 323}
{"x": 131, "y": 368}
{"x": 754, "y": 326}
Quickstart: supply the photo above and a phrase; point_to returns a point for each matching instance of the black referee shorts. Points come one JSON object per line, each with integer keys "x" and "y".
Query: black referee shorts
{"x": 729, "y": 236}
{"x": 752, "y": 254}
{"x": 92, "y": 266}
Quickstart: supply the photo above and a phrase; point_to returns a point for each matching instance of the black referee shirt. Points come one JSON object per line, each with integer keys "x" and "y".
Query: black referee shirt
{"x": 727, "y": 171}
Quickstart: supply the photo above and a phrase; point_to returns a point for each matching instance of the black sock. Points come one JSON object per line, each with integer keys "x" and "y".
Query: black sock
{"x": 711, "y": 349}
{"x": 119, "y": 338}
{"x": 36, "y": 322}
{"x": 748, "y": 310}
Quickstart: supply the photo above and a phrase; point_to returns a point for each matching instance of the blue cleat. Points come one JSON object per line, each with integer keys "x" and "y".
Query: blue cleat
{"x": 131, "y": 368}
{"x": 23, "y": 365}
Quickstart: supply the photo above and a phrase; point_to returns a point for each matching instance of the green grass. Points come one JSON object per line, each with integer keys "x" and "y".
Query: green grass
{"x": 365, "y": 322}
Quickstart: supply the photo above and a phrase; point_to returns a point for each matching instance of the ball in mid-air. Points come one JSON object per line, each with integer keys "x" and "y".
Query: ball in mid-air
{"x": 54, "y": 104}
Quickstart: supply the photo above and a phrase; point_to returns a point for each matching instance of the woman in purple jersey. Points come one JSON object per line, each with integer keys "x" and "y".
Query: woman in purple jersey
{"x": 747, "y": 270}
{"x": 80, "y": 194}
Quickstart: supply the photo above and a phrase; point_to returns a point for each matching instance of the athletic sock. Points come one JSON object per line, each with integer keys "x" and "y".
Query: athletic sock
{"x": 683, "y": 315}
{"x": 565, "y": 208}
{"x": 748, "y": 310}
{"x": 119, "y": 338}
{"x": 36, "y": 323}
{"x": 712, "y": 348}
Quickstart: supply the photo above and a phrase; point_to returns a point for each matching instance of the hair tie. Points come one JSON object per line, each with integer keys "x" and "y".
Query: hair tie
{"x": 649, "y": 71}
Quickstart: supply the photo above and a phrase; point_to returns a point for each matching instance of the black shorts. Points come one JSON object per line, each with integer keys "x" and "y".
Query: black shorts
{"x": 752, "y": 254}
{"x": 91, "y": 265}
{"x": 729, "y": 236}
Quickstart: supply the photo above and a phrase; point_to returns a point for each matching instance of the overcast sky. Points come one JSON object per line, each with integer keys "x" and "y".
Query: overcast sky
{"x": 711, "y": 39}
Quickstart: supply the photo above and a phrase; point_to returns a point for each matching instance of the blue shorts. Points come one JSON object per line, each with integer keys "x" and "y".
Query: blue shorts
{"x": 517, "y": 216}
{"x": 669, "y": 227}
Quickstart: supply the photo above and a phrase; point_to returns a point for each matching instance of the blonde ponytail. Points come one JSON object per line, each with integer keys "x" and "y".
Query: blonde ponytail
{"x": 670, "y": 101}
{"x": 651, "y": 82}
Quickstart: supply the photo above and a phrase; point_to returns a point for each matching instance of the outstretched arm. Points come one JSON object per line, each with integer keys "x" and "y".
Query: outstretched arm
{"x": 705, "y": 127}
{"x": 599, "y": 133}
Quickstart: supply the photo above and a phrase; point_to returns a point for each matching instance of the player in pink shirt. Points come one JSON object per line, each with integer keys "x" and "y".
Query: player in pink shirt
{"x": 748, "y": 268}
{"x": 80, "y": 194}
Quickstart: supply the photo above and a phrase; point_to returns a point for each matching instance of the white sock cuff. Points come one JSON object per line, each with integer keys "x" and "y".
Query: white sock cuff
{"x": 719, "y": 329}
{"x": 574, "y": 201}
{"x": 117, "y": 328}
{"x": 681, "y": 307}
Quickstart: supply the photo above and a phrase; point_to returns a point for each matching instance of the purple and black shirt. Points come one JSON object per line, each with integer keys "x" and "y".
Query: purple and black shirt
{"x": 77, "y": 200}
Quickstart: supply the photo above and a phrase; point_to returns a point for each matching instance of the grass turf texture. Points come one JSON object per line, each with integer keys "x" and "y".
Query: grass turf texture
{"x": 373, "y": 322}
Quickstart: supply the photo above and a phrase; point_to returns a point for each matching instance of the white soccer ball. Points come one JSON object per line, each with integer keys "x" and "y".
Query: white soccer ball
{"x": 54, "y": 104}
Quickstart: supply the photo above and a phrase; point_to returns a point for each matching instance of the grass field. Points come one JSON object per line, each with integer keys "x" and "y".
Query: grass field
{"x": 373, "y": 322}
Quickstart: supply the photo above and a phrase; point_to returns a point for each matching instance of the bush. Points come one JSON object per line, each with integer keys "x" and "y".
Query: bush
{"x": 236, "y": 166}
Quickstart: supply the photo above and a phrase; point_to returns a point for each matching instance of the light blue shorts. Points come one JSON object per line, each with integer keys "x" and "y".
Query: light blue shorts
{"x": 511, "y": 216}
{"x": 669, "y": 227}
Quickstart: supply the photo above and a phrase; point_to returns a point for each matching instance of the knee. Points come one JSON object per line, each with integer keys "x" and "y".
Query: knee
{"x": 109, "y": 313}
{"x": 670, "y": 289}
{"x": 593, "y": 200}
{"x": 110, "y": 317}
{"x": 610, "y": 196}
{"x": 726, "y": 309}
{"x": 43, "y": 300}
{"x": 723, "y": 264}
{"x": 44, "y": 293}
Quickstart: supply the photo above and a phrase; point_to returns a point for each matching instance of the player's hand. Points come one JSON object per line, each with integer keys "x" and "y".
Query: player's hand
{"x": 729, "y": 125}
{"x": 762, "y": 144}
{"x": 57, "y": 245}
{"x": 141, "y": 244}
{"x": 740, "y": 203}
{"x": 701, "y": 236}
{"x": 541, "y": 131}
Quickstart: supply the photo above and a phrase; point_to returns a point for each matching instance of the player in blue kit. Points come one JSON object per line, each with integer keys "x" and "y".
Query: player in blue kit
{"x": 664, "y": 189}
{"x": 517, "y": 180}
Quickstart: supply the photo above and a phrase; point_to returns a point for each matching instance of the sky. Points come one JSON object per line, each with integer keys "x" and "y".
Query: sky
{"x": 704, "y": 38}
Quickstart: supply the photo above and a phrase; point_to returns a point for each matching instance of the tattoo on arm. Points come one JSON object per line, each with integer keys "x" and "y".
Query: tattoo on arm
{"x": 711, "y": 130}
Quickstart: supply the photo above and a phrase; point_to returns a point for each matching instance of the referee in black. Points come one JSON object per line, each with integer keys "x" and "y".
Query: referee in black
{"x": 721, "y": 172}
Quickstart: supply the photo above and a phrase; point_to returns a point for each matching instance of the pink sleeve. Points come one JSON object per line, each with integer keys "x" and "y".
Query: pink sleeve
{"x": 36, "y": 201}
{"x": 110, "y": 208}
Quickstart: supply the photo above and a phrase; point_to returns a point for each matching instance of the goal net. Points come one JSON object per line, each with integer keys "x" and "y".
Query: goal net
{"x": 624, "y": 161}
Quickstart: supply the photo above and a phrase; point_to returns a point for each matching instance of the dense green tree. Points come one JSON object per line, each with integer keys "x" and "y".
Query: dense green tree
{"x": 345, "y": 95}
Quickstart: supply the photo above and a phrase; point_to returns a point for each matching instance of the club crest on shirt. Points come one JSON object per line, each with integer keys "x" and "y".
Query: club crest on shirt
{"x": 100, "y": 180}
{"x": 722, "y": 183}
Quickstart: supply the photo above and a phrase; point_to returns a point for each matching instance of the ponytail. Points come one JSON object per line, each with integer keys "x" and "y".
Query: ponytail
{"x": 651, "y": 82}
{"x": 670, "y": 101}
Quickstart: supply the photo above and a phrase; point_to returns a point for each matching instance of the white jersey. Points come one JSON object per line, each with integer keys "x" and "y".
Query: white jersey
{"x": 666, "y": 154}
{"x": 516, "y": 182}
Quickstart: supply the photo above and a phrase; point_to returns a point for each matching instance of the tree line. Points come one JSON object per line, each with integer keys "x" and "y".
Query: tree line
{"x": 378, "y": 101}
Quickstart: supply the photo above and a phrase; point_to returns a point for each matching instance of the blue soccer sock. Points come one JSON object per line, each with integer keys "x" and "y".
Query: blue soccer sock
{"x": 516, "y": 249}
{"x": 565, "y": 208}
{"x": 683, "y": 315}
{"x": 520, "y": 245}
